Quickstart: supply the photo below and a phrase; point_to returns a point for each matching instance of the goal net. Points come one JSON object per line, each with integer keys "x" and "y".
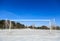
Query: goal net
{"x": 32, "y": 22}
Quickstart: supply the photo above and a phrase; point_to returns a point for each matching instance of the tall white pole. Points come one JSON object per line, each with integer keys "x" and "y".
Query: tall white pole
{"x": 50, "y": 25}
{"x": 54, "y": 23}
{"x": 6, "y": 23}
{"x": 10, "y": 26}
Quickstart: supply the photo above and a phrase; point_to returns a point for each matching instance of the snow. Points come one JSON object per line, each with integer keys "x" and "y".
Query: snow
{"x": 29, "y": 35}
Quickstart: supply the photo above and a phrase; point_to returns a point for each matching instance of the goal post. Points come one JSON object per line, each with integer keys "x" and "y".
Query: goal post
{"x": 39, "y": 20}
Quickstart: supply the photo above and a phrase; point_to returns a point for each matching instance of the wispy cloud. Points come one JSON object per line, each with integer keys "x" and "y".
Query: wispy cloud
{"x": 8, "y": 15}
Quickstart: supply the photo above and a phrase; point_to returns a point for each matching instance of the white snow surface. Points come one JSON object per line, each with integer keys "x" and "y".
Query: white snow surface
{"x": 29, "y": 35}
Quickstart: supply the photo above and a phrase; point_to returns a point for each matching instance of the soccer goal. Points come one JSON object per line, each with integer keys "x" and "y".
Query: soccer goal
{"x": 25, "y": 22}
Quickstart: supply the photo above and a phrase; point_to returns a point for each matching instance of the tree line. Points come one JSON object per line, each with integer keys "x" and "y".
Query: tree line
{"x": 17, "y": 25}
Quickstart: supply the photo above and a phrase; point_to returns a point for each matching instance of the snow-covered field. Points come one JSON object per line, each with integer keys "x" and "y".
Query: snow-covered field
{"x": 29, "y": 35}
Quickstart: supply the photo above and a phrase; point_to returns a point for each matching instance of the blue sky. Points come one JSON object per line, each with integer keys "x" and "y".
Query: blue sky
{"x": 30, "y": 9}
